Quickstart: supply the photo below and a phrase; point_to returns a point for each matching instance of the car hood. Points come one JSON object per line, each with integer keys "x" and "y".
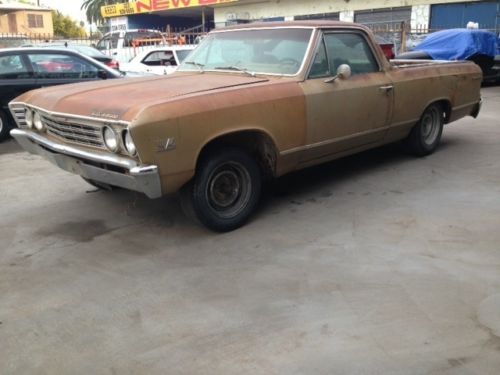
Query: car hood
{"x": 123, "y": 99}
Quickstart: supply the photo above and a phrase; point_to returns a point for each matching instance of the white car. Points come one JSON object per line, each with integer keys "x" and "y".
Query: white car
{"x": 158, "y": 61}
{"x": 123, "y": 45}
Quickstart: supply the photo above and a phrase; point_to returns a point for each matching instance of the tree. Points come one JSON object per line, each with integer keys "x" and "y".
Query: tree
{"x": 92, "y": 9}
{"x": 66, "y": 27}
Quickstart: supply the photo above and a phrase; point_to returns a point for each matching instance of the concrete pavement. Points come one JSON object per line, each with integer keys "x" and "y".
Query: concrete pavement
{"x": 376, "y": 264}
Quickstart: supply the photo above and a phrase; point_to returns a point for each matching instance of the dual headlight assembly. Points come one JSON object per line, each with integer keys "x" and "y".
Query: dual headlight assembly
{"x": 114, "y": 141}
{"x": 34, "y": 120}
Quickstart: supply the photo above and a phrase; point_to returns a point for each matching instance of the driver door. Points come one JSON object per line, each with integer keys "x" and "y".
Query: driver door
{"x": 348, "y": 113}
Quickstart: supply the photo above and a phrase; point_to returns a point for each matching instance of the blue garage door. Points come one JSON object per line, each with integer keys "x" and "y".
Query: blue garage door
{"x": 447, "y": 16}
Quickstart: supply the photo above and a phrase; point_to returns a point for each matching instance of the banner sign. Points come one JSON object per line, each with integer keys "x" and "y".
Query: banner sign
{"x": 149, "y": 6}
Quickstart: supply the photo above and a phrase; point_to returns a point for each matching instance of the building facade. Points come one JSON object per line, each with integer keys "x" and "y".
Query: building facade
{"x": 420, "y": 14}
{"x": 26, "y": 19}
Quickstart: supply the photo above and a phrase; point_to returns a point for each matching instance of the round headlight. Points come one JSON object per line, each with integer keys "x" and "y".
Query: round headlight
{"x": 29, "y": 118}
{"x": 110, "y": 139}
{"x": 129, "y": 143}
{"x": 37, "y": 122}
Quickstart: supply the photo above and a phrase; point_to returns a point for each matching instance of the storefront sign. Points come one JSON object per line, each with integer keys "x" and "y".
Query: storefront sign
{"x": 119, "y": 23}
{"x": 148, "y": 6}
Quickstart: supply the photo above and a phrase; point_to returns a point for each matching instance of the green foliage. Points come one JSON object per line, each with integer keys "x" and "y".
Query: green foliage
{"x": 93, "y": 9}
{"x": 66, "y": 27}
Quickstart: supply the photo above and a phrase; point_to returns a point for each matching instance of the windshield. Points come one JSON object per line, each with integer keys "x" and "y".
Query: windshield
{"x": 266, "y": 51}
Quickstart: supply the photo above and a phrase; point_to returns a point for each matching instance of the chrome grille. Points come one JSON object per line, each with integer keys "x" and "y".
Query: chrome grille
{"x": 88, "y": 135}
{"x": 19, "y": 113}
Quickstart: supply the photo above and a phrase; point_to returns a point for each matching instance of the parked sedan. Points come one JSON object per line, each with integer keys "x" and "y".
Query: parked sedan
{"x": 158, "y": 60}
{"x": 25, "y": 69}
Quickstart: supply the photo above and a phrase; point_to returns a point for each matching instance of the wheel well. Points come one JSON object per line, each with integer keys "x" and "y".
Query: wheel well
{"x": 446, "y": 106}
{"x": 256, "y": 143}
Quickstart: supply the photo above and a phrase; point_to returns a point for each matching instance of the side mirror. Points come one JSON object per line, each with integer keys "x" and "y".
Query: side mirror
{"x": 343, "y": 72}
{"x": 102, "y": 74}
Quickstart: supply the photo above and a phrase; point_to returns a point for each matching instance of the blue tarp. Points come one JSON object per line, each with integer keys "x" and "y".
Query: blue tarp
{"x": 458, "y": 44}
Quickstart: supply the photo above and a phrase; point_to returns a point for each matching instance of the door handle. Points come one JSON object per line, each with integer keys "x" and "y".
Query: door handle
{"x": 386, "y": 89}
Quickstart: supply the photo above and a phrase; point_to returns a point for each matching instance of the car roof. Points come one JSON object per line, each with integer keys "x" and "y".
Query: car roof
{"x": 148, "y": 51}
{"x": 71, "y": 46}
{"x": 38, "y": 49}
{"x": 171, "y": 48}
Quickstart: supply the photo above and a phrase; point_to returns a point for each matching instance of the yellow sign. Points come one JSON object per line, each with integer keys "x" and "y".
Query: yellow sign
{"x": 148, "y": 6}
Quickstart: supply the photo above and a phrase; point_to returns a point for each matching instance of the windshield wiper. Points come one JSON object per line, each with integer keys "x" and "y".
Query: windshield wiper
{"x": 198, "y": 65}
{"x": 235, "y": 68}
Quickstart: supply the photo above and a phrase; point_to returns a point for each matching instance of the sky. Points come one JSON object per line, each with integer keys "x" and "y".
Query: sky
{"x": 67, "y": 7}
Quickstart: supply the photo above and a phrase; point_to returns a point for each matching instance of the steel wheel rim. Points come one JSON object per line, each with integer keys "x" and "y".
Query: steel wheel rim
{"x": 1, "y": 125}
{"x": 229, "y": 190}
{"x": 431, "y": 123}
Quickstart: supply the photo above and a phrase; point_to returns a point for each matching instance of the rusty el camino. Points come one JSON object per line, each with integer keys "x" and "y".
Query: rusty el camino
{"x": 250, "y": 103}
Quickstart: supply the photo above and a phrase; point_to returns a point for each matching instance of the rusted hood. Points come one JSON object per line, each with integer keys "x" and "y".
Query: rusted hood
{"x": 122, "y": 99}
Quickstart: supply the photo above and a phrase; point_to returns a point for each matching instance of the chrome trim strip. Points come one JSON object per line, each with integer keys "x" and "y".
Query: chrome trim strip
{"x": 465, "y": 105}
{"x": 402, "y": 123}
{"x": 330, "y": 141}
{"x": 229, "y": 29}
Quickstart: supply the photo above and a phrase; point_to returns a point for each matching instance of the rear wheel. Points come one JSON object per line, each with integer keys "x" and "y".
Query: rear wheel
{"x": 5, "y": 126}
{"x": 225, "y": 191}
{"x": 426, "y": 135}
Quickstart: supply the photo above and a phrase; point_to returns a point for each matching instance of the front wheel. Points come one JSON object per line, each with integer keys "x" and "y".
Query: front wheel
{"x": 226, "y": 189}
{"x": 426, "y": 135}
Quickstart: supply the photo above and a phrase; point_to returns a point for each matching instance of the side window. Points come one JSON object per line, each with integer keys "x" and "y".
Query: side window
{"x": 320, "y": 67}
{"x": 13, "y": 67}
{"x": 351, "y": 49}
{"x": 59, "y": 66}
{"x": 160, "y": 58}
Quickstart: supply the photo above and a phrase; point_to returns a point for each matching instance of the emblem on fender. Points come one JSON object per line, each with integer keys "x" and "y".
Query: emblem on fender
{"x": 166, "y": 145}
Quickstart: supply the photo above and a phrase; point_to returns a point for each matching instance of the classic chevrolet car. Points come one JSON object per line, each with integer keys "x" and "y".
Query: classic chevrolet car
{"x": 250, "y": 103}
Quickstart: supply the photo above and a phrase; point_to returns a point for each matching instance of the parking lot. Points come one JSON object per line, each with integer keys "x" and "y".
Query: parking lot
{"x": 380, "y": 263}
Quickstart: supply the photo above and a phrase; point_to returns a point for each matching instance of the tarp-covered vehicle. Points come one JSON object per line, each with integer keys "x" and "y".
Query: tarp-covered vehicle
{"x": 479, "y": 46}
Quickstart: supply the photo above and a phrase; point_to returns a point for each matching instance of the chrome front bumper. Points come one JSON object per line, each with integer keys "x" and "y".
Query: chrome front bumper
{"x": 105, "y": 168}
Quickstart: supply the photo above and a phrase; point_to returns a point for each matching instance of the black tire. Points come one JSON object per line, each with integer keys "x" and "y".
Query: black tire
{"x": 225, "y": 191}
{"x": 5, "y": 126}
{"x": 426, "y": 135}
